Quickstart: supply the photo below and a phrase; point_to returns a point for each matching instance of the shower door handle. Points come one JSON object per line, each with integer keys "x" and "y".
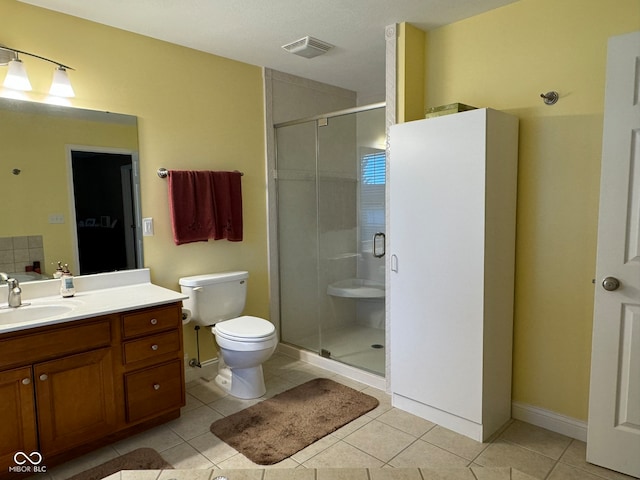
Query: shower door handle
{"x": 375, "y": 245}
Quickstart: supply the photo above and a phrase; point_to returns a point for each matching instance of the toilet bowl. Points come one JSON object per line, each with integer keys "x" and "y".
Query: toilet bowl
{"x": 245, "y": 344}
{"x": 216, "y": 300}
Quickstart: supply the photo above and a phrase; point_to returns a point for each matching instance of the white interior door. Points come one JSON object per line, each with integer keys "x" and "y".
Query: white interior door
{"x": 613, "y": 439}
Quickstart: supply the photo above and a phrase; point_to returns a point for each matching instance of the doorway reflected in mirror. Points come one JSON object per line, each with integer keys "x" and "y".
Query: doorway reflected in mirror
{"x": 105, "y": 210}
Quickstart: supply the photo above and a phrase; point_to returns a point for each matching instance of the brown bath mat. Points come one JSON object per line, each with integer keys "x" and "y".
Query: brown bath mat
{"x": 140, "y": 459}
{"x": 276, "y": 428}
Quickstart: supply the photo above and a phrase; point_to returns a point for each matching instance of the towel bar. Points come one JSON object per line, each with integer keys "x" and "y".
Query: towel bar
{"x": 164, "y": 173}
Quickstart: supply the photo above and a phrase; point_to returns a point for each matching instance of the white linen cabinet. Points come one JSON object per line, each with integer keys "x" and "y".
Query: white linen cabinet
{"x": 452, "y": 213}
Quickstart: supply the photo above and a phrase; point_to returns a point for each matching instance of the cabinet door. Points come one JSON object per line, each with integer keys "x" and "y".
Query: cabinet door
{"x": 437, "y": 172}
{"x": 17, "y": 415}
{"x": 154, "y": 390}
{"x": 75, "y": 400}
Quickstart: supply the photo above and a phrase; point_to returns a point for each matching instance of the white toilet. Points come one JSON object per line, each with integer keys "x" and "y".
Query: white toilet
{"x": 216, "y": 300}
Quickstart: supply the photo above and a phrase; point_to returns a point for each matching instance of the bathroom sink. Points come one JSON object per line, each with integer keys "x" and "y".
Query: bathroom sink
{"x": 356, "y": 288}
{"x": 28, "y": 313}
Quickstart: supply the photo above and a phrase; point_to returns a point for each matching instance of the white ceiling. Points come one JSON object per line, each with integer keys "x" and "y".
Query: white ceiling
{"x": 253, "y": 31}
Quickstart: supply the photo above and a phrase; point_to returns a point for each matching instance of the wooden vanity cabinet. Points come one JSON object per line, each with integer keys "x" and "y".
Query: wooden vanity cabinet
{"x": 17, "y": 414}
{"x": 68, "y": 388}
{"x": 153, "y": 369}
{"x": 48, "y": 404}
{"x": 75, "y": 400}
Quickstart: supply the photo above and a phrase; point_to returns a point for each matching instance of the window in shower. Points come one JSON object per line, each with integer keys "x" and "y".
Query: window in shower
{"x": 373, "y": 170}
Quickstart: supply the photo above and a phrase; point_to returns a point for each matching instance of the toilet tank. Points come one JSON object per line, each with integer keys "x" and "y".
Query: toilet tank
{"x": 214, "y": 297}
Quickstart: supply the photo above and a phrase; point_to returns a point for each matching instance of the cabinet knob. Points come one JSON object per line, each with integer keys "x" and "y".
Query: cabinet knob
{"x": 44, "y": 376}
{"x": 26, "y": 381}
{"x": 156, "y": 386}
{"x": 154, "y": 347}
{"x": 154, "y": 321}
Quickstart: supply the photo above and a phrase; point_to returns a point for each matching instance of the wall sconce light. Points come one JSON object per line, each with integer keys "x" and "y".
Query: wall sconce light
{"x": 17, "y": 78}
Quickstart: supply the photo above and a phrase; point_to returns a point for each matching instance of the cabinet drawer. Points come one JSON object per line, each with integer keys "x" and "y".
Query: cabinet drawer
{"x": 150, "y": 321}
{"x": 55, "y": 342}
{"x": 151, "y": 346}
{"x": 154, "y": 390}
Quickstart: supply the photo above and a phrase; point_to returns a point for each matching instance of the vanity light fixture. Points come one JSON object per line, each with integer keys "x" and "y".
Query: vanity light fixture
{"x": 17, "y": 78}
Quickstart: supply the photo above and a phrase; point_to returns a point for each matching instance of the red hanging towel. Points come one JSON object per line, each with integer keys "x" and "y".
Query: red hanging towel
{"x": 205, "y": 205}
{"x": 227, "y": 195}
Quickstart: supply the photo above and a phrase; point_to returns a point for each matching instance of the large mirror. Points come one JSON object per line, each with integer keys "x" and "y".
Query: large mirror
{"x": 69, "y": 190}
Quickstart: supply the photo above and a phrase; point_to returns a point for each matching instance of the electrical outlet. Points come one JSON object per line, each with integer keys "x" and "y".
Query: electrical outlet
{"x": 56, "y": 218}
{"x": 147, "y": 227}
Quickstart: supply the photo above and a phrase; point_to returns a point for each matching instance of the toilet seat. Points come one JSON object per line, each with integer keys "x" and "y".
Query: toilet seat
{"x": 245, "y": 329}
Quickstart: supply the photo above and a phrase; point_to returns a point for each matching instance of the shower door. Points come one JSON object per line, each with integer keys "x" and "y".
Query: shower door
{"x": 331, "y": 191}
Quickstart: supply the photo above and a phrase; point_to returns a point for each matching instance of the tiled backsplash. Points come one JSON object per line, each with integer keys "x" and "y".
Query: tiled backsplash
{"x": 18, "y": 252}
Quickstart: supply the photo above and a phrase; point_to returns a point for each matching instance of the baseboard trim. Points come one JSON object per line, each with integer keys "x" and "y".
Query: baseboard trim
{"x": 550, "y": 420}
{"x": 447, "y": 420}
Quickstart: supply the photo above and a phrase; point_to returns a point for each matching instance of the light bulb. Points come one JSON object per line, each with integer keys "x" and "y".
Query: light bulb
{"x": 16, "y": 78}
{"x": 61, "y": 85}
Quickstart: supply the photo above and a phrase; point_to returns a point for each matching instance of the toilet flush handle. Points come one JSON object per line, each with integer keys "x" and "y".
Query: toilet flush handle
{"x": 197, "y": 289}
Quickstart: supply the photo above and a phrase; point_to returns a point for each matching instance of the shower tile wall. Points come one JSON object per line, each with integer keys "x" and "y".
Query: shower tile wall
{"x": 18, "y": 252}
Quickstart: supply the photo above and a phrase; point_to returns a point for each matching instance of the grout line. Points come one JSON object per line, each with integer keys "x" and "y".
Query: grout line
{"x": 555, "y": 465}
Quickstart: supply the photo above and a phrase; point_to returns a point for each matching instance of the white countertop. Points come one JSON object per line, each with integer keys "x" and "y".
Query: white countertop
{"x": 96, "y": 295}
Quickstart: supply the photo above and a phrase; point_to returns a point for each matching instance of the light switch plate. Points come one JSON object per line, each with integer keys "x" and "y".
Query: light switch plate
{"x": 147, "y": 227}
{"x": 56, "y": 218}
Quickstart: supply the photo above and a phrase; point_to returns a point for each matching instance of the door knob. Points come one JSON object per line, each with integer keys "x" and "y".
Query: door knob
{"x": 610, "y": 284}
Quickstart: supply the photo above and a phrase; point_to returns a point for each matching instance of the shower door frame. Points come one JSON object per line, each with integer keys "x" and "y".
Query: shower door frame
{"x": 274, "y": 249}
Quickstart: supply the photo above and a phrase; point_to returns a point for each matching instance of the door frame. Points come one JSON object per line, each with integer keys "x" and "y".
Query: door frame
{"x": 135, "y": 184}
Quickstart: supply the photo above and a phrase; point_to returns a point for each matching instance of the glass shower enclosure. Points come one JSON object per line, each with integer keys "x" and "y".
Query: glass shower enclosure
{"x": 330, "y": 178}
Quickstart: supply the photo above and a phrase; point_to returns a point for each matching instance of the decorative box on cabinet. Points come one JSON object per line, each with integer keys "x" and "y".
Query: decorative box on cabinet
{"x": 451, "y": 235}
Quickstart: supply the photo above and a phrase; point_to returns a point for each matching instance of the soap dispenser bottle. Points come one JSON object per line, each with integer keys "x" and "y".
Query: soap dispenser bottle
{"x": 58, "y": 272}
{"x": 67, "y": 289}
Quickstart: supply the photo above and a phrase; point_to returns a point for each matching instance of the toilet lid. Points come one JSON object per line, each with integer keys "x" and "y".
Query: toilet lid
{"x": 245, "y": 327}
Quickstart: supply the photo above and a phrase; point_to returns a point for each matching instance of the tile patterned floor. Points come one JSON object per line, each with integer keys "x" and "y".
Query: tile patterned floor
{"x": 385, "y": 437}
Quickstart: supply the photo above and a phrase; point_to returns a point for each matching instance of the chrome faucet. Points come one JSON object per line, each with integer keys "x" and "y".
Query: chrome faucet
{"x": 15, "y": 292}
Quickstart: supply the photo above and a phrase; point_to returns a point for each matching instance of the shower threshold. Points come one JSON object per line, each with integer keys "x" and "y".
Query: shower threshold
{"x": 312, "y": 358}
{"x": 355, "y": 345}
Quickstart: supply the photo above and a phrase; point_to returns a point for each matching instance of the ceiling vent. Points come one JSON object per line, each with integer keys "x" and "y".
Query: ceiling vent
{"x": 308, "y": 47}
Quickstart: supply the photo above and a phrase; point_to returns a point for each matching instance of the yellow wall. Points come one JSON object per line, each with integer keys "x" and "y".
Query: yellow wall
{"x": 199, "y": 111}
{"x": 505, "y": 59}
{"x": 410, "y": 73}
{"x": 195, "y": 111}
